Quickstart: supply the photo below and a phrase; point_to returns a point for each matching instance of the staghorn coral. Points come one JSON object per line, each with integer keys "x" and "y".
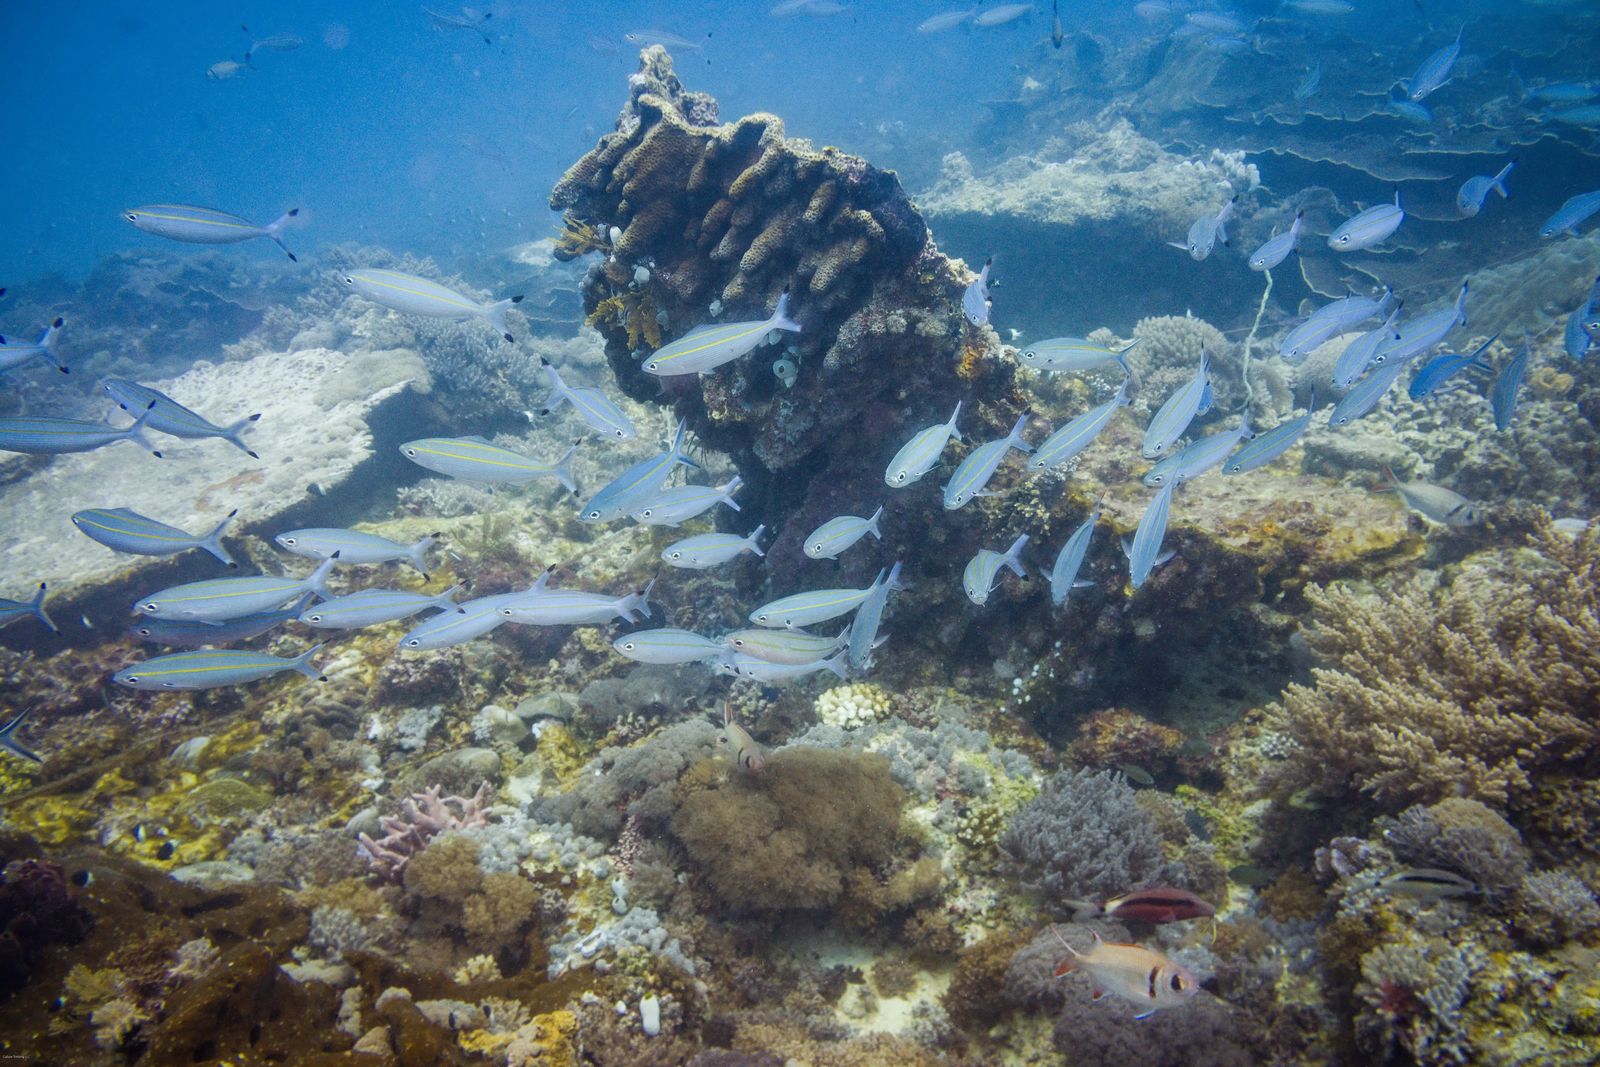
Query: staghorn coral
{"x": 1469, "y": 689}
{"x": 1084, "y": 837}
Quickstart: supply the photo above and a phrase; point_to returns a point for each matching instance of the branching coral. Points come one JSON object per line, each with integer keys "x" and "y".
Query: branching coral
{"x": 1469, "y": 689}
{"x": 424, "y": 816}
{"x": 578, "y": 238}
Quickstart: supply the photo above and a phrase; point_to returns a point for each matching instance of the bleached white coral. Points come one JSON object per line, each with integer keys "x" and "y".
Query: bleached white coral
{"x": 854, "y": 705}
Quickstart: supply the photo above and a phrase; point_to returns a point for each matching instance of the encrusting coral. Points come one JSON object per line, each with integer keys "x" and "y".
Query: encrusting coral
{"x": 1469, "y": 689}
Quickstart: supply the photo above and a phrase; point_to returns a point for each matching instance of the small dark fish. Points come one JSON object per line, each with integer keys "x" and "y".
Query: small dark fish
{"x": 1503, "y": 393}
{"x": 1251, "y": 875}
{"x": 165, "y": 852}
{"x": 1057, "y": 35}
{"x": 1428, "y": 883}
{"x": 1136, "y": 774}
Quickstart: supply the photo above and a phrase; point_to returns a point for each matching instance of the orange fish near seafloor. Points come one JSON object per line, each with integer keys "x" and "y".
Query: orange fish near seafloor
{"x": 1136, "y": 974}
{"x": 748, "y": 756}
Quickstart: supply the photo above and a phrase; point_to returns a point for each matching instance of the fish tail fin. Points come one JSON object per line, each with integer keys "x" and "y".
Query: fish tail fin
{"x": 302, "y": 663}
{"x": 496, "y": 314}
{"x": 893, "y": 580}
{"x": 47, "y": 345}
{"x": 639, "y": 601}
{"x": 233, "y": 433}
{"x": 728, "y": 490}
{"x": 135, "y": 433}
{"x": 212, "y": 542}
{"x": 872, "y": 523}
{"x": 1499, "y": 182}
{"x": 563, "y": 468}
{"x": 36, "y": 605}
{"x": 1013, "y": 560}
{"x": 9, "y": 742}
{"x": 416, "y": 554}
{"x": 318, "y": 581}
{"x": 780, "y": 316}
{"x": 1014, "y": 438}
{"x": 558, "y": 388}
{"x": 679, "y": 441}
{"x": 952, "y": 423}
{"x": 836, "y": 663}
{"x": 754, "y": 540}
{"x": 275, "y": 228}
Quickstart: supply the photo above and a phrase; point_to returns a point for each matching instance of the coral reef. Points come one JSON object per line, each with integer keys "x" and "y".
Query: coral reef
{"x": 1461, "y": 835}
{"x": 1466, "y": 689}
{"x": 422, "y": 817}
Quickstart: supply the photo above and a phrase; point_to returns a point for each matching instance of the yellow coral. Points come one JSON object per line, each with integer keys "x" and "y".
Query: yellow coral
{"x": 579, "y": 238}
{"x": 561, "y": 753}
{"x": 971, "y": 364}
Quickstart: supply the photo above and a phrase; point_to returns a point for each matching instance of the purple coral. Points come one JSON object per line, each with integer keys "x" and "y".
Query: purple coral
{"x": 423, "y": 817}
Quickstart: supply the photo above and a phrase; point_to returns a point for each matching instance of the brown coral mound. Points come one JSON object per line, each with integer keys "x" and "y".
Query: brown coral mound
{"x": 817, "y": 829}
{"x": 1470, "y": 689}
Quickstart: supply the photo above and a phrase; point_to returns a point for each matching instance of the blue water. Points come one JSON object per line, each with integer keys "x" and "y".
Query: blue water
{"x": 383, "y": 129}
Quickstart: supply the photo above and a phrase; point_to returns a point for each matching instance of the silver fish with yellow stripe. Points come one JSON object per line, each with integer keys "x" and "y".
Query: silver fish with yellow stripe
{"x": 212, "y": 669}
{"x": 206, "y": 226}
{"x": 979, "y": 466}
{"x": 220, "y": 599}
{"x": 44, "y": 435}
{"x": 705, "y": 348}
{"x": 12, "y": 610}
{"x": 805, "y": 609}
{"x": 759, "y": 670}
{"x": 592, "y": 406}
{"x": 982, "y": 570}
{"x": 680, "y": 503}
{"x": 171, "y": 417}
{"x": 476, "y": 459}
{"x": 16, "y": 353}
{"x": 411, "y": 295}
{"x": 628, "y": 491}
{"x": 1172, "y": 419}
{"x": 919, "y": 455}
{"x": 371, "y": 607}
{"x": 187, "y": 633}
{"x": 838, "y": 534}
{"x": 709, "y": 550}
{"x": 784, "y": 646}
{"x": 355, "y": 547}
{"x": 124, "y": 530}
{"x": 1078, "y": 434}
{"x": 667, "y": 644}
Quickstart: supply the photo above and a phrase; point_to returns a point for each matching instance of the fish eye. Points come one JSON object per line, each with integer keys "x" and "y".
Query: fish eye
{"x": 131, "y": 678}
{"x": 411, "y": 452}
{"x": 817, "y": 547}
{"x": 1344, "y": 238}
{"x": 288, "y": 540}
{"x": 132, "y": 216}
{"x": 594, "y": 514}
{"x": 414, "y": 642}
{"x": 152, "y": 606}
{"x": 677, "y": 555}
{"x": 314, "y": 618}
{"x": 349, "y": 280}
{"x": 628, "y": 646}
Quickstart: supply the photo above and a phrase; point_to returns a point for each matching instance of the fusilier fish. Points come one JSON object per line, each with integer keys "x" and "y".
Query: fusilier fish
{"x": 1433, "y": 502}
{"x": 838, "y": 534}
{"x": 666, "y": 645}
{"x": 172, "y": 418}
{"x": 1503, "y": 393}
{"x": 220, "y": 599}
{"x": 1000, "y": 14}
{"x": 1310, "y": 83}
{"x": 983, "y": 569}
{"x": 784, "y": 646}
{"x": 1583, "y": 325}
{"x": 469, "y": 19}
{"x": 125, "y": 530}
{"x": 1570, "y": 215}
{"x": 372, "y": 607}
{"x": 44, "y": 435}
{"x": 708, "y": 550}
{"x": 863, "y": 631}
{"x": 1206, "y": 231}
{"x": 212, "y": 669}
{"x": 205, "y": 226}
{"x": 979, "y": 466}
{"x": 760, "y": 670}
{"x": 1077, "y": 434}
{"x": 16, "y": 353}
{"x": 919, "y": 455}
{"x": 1276, "y": 249}
{"x": 12, "y": 610}
{"x": 1409, "y": 110}
{"x": 1370, "y": 227}
{"x": 1435, "y": 70}
{"x": 1358, "y": 353}
{"x": 1152, "y": 530}
{"x": 975, "y": 300}
{"x": 188, "y": 633}
{"x": 705, "y": 348}
{"x": 355, "y": 547}
{"x": 1134, "y": 973}
{"x": 644, "y": 38}
{"x": 946, "y": 20}
{"x": 1423, "y": 332}
{"x": 592, "y": 405}
{"x": 1172, "y": 419}
{"x": 1329, "y": 321}
{"x": 1069, "y": 561}
{"x": 1200, "y": 455}
{"x": 1442, "y": 368}
{"x": 628, "y": 491}
{"x": 1072, "y": 354}
{"x": 1469, "y": 200}
{"x": 1270, "y": 444}
{"x": 577, "y": 607}
{"x": 680, "y": 503}
{"x": 471, "y": 619}
{"x": 807, "y": 609}
{"x": 1365, "y": 394}
{"x": 411, "y": 295}
{"x": 475, "y": 459}
{"x": 747, "y": 756}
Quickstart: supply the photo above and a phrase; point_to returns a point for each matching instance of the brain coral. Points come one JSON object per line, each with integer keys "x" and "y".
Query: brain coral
{"x": 799, "y": 836}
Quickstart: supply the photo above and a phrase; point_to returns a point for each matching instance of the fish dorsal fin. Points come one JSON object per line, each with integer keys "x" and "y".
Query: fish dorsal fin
{"x": 476, "y": 439}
